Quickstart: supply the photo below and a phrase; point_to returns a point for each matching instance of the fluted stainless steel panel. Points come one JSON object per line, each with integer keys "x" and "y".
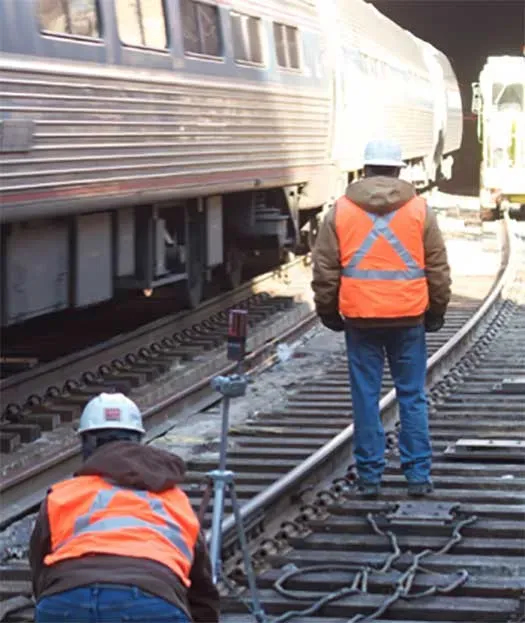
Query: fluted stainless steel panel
{"x": 90, "y": 129}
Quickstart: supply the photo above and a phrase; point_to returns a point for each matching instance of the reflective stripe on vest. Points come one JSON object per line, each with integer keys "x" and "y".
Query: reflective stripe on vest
{"x": 381, "y": 228}
{"x": 382, "y": 259}
{"x": 170, "y": 531}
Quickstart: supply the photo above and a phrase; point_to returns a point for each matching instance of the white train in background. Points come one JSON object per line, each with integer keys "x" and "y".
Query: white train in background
{"x": 146, "y": 143}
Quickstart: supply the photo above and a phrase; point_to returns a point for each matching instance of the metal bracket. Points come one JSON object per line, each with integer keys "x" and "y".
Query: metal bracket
{"x": 514, "y": 385}
{"x": 428, "y": 513}
{"x": 232, "y": 386}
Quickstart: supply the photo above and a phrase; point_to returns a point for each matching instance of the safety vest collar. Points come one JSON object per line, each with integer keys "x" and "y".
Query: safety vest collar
{"x": 166, "y": 528}
{"x": 381, "y": 228}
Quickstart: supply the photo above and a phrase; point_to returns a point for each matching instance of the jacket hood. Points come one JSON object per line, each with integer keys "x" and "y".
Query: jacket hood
{"x": 133, "y": 465}
{"x": 380, "y": 194}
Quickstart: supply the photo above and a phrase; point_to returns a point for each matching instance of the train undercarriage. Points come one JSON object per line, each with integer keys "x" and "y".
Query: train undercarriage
{"x": 188, "y": 247}
{"x": 75, "y": 261}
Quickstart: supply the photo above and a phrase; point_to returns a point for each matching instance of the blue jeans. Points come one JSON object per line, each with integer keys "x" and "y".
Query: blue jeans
{"x": 405, "y": 348}
{"x": 106, "y": 603}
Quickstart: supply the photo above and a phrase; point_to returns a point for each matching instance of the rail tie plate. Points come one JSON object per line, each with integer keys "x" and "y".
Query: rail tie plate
{"x": 423, "y": 512}
{"x": 487, "y": 449}
{"x": 514, "y": 385}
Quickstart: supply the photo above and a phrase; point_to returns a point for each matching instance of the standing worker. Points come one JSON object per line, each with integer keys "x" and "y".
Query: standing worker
{"x": 119, "y": 541}
{"x": 381, "y": 274}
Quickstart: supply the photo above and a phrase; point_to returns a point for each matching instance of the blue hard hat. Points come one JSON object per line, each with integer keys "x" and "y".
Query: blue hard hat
{"x": 383, "y": 153}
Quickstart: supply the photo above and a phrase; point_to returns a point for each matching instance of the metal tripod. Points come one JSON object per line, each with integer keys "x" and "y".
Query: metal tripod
{"x": 218, "y": 481}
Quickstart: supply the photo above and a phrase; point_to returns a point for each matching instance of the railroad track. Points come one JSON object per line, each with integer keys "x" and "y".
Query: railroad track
{"x": 46, "y": 339}
{"x": 331, "y": 556}
{"x": 270, "y": 452}
{"x": 165, "y": 366}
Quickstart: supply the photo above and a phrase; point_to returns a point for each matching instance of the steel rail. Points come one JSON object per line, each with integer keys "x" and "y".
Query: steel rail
{"x": 319, "y": 465}
{"x": 158, "y": 419}
{"x": 36, "y": 379}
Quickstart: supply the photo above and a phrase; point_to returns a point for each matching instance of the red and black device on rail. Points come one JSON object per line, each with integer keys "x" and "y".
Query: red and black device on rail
{"x": 237, "y": 328}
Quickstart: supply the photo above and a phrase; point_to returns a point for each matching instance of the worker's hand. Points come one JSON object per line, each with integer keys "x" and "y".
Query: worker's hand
{"x": 334, "y": 322}
{"x": 433, "y": 322}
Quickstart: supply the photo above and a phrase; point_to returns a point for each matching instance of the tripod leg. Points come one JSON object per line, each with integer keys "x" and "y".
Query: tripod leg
{"x": 215, "y": 545}
{"x": 258, "y": 611}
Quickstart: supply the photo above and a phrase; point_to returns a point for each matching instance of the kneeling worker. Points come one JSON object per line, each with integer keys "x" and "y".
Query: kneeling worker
{"x": 119, "y": 541}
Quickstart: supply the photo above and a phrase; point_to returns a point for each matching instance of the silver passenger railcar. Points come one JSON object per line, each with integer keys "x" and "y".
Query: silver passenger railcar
{"x": 154, "y": 142}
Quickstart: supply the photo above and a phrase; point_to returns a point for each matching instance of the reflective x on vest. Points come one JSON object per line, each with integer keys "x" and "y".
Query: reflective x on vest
{"x": 381, "y": 228}
{"x": 167, "y": 529}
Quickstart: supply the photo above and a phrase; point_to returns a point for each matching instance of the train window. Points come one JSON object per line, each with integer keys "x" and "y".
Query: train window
{"x": 142, "y": 23}
{"x": 247, "y": 42}
{"x": 201, "y": 28}
{"x": 70, "y": 17}
{"x": 286, "y": 45}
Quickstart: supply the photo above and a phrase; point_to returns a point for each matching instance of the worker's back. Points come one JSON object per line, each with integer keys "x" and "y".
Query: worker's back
{"x": 380, "y": 258}
{"x": 380, "y": 228}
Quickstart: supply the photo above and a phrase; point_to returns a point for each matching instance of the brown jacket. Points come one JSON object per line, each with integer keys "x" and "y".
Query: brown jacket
{"x": 379, "y": 195}
{"x": 142, "y": 467}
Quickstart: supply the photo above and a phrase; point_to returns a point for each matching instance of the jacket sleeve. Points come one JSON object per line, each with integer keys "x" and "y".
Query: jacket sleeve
{"x": 203, "y": 596}
{"x": 39, "y": 546}
{"x": 326, "y": 268}
{"x": 437, "y": 268}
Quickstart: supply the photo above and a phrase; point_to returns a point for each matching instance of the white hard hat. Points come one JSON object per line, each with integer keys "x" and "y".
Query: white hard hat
{"x": 111, "y": 411}
{"x": 383, "y": 153}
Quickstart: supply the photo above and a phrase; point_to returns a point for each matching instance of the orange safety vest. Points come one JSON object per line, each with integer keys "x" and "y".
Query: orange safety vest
{"x": 383, "y": 261}
{"x": 87, "y": 515}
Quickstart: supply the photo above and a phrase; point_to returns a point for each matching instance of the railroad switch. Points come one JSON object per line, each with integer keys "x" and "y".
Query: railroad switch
{"x": 423, "y": 513}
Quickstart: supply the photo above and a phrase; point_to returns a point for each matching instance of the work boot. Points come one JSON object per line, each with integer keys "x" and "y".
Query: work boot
{"x": 368, "y": 489}
{"x": 419, "y": 489}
